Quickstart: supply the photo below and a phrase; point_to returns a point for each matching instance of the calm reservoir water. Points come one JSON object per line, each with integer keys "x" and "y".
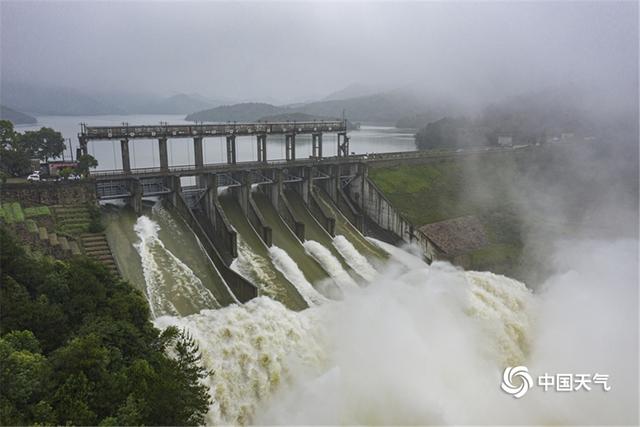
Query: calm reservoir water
{"x": 144, "y": 153}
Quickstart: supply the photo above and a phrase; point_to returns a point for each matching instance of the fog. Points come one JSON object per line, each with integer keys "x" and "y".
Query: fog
{"x": 421, "y": 344}
{"x": 287, "y": 52}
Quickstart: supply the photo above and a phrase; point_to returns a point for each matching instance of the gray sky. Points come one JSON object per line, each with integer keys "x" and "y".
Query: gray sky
{"x": 294, "y": 51}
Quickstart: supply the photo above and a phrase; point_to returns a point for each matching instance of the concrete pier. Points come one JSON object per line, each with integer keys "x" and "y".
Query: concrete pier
{"x": 290, "y": 146}
{"x": 316, "y": 145}
{"x": 262, "y": 147}
{"x": 231, "y": 149}
{"x": 198, "y": 152}
{"x": 164, "y": 157}
{"x": 124, "y": 149}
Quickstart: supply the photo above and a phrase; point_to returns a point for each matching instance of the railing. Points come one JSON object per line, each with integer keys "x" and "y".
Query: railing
{"x": 354, "y": 158}
{"x": 211, "y": 129}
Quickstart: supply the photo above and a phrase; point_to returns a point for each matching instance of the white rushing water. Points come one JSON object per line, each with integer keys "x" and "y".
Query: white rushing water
{"x": 330, "y": 264}
{"x": 170, "y": 283}
{"x": 355, "y": 259}
{"x": 420, "y": 345}
{"x": 288, "y": 267}
{"x": 255, "y": 268}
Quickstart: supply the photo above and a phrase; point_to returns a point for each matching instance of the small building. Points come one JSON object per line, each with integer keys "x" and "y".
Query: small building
{"x": 455, "y": 238}
{"x": 505, "y": 141}
{"x": 53, "y": 168}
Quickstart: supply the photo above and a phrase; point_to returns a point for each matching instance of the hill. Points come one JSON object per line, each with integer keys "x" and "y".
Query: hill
{"x": 16, "y": 117}
{"x": 244, "y": 112}
{"x": 53, "y": 101}
{"x": 385, "y": 107}
{"x": 354, "y": 90}
{"x": 176, "y": 104}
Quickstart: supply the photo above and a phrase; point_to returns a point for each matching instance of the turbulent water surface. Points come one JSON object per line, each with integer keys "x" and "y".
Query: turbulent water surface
{"x": 419, "y": 345}
{"x": 406, "y": 343}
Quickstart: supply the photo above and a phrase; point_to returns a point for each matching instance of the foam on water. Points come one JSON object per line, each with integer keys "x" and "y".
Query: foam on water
{"x": 422, "y": 344}
{"x": 167, "y": 278}
{"x": 256, "y": 269}
{"x": 354, "y": 258}
{"x": 267, "y": 359}
{"x": 330, "y": 264}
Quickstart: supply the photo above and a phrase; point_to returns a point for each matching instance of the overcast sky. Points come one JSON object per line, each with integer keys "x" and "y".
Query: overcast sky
{"x": 294, "y": 51}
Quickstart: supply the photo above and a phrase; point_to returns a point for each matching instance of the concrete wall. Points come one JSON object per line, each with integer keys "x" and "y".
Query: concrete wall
{"x": 287, "y": 214}
{"x": 379, "y": 210}
{"x": 50, "y": 193}
{"x": 325, "y": 218}
{"x": 259, "y": 223}
{"x": 242, "y": 289}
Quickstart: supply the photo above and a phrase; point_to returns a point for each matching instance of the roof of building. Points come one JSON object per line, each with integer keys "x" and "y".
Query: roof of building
{"x": 457, "y": 236}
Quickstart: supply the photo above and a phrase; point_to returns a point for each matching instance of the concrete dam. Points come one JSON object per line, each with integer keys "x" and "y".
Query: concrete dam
{"x": 277, "y": 233}
{"x": 289, "y": 275}
{"x": 206, "y": 236}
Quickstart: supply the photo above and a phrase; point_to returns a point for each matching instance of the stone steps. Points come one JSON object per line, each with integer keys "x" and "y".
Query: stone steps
{"x": 96, "y": 246}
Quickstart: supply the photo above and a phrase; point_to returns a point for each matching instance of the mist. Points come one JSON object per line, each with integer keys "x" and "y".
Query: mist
{"x": 426, "y": 345}
{"x": 417, "y": 343}
{"x": 291, "y": 52}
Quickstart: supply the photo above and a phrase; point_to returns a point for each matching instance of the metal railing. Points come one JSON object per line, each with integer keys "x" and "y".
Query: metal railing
{"x": 126, "y": 131}
{"x": 354, "y": 158}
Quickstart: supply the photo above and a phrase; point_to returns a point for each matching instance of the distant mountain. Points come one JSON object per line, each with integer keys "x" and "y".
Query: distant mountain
{"x": 245, "y": 112}
{"x": 385, "y": 107}
{"x": 294, "y": 116}
{"x": 16, "y": 117}
{"x": 354, "y": 90}
{"x": 177, "y": 104}
{"x": 53, "y": 101}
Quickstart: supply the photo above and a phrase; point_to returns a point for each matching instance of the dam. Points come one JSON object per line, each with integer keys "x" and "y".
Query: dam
{"x": 292, "y": 229}
{"x": 288, "y": 275}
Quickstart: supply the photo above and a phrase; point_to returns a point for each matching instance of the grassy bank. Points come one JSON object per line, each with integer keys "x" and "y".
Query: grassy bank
{"x": 524, "y": 198}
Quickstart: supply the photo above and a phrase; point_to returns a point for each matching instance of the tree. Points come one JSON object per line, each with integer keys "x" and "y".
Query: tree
{"x": 85, "y": 162}
{"x": 65, "y": 173}
{"x": 7, "y": 133}
{"x": 77, "y": 347}
{"x": 14, "y": 158}
{"x": 43, "y": 143}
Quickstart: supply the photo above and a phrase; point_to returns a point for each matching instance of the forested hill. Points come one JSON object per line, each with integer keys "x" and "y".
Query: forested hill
{"x": 244, "y": 112}
{"x": 77, "y": 348}
{"x": 385, "y": 107}
{"x": 16, "y": 117}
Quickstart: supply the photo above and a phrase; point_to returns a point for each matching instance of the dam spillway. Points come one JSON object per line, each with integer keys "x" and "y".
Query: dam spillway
{"x": 181, "y": 256}
{"x": 158, "y": 254}
{"x": 254, "y": 259}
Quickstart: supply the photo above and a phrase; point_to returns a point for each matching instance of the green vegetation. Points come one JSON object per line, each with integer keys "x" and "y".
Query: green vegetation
{"x": 425, "y": 193}
{"x": 77, "y": 219}
{"x": 13, "y": 212}
{"x": 17, "y": 149}
{"x": 37, "y": 211}
{"x": 77, "y": 348}
{"x": 520, "y": 196}
{"x": 31, "y": 226}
